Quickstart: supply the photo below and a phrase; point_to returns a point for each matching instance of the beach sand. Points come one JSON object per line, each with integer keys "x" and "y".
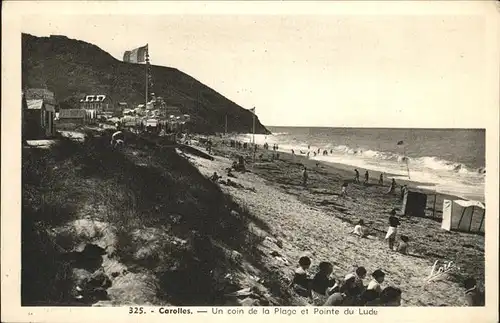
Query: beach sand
{"x": 317, "y": 222}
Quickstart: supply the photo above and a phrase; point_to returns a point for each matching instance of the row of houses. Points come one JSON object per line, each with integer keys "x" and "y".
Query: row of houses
{"x": 40, "y": 117}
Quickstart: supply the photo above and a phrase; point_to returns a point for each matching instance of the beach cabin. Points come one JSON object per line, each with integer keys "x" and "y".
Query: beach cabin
{"x": 465, "y": 216}
{"x": 73, "y": 116}
{"x": 38, "y": 119}
{"x": 414, "y": 204}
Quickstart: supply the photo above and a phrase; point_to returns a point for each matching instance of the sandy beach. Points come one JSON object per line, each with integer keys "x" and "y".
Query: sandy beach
{"x": 317, "y": 222}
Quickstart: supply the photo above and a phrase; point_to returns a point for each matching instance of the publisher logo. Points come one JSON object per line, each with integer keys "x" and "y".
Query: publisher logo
{"x": 438, "y": 271}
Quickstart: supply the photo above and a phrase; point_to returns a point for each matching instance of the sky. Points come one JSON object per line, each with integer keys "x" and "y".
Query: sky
{"x": 311, "y": 69}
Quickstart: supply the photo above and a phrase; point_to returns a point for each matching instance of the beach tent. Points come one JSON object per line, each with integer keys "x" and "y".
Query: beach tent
{"x": 414, "y": 203}
{"x": 465, "y": 216}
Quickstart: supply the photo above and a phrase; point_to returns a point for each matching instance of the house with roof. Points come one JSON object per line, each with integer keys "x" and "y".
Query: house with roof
{"x": 98, "y": 104}
{"x": 38, "y": 117}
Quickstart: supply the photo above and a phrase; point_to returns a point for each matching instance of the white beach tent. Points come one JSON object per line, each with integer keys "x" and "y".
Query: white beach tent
{"x": 466, "y": 216}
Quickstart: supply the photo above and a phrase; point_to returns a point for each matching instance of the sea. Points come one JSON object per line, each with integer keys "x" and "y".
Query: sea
{"x": 449, "y": 161}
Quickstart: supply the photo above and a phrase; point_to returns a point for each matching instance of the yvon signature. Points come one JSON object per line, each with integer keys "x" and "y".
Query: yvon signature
{"x": 441, "y": 271}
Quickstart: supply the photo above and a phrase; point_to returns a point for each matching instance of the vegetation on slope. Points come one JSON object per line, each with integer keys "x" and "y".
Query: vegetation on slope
{"x": 145, "y": 187}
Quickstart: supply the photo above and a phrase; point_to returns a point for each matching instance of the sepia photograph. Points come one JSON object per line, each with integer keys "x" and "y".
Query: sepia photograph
{"x": 254, "y": 160}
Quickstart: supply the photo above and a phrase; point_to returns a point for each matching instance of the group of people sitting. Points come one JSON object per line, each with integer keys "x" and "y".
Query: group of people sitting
{"x": 324, "y": 290}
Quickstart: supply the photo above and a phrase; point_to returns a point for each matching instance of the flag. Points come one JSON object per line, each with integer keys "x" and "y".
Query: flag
{"x": 400, "y": 142}
{"x": 138, "y": 55}
{"x": 252, "y": 110}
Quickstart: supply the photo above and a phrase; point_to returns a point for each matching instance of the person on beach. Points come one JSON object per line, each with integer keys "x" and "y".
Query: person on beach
{"x": 367, "y": 176}
{"x": 215, "y": 177}
{"x": 390, "y": 296}
{"x": 301, "y": 282}
{"x": 359, "y": 229}
{"x": 305, "y": 176}
{"x": 392, "y": 231}
{"x": 346, "y": 296}
{"x": 230, "y": 173}
{"x": 381, "y": 179}
{"x": 343, "y": 191}
{"x": 392, "y": 188}
{"x": 473, "y": 296}
{"x": 308, "y": 155}
{"x": 403, "y": 245}
{"x": 356, "y": 176}
{"x": 293, "y": 152}
{"x": 308, "y": 146}
{"x": 322, "y": 283}
{"x": 378, "y": 278}
{"x": 358, "y": 276}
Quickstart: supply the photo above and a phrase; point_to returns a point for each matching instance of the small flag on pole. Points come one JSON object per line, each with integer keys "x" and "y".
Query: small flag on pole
{"x": 252, "y": 110}
{"x": 137, "y": 55}
{"x": 400, "y": 142}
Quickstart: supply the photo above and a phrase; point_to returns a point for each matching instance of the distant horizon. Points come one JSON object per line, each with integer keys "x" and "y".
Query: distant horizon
{"x": 361, "y": 127}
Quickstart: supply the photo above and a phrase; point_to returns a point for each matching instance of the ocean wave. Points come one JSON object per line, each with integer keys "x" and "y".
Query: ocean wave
{"x": 429, "y": 162}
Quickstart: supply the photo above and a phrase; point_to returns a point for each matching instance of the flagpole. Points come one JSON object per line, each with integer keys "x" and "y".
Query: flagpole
{"x": 225, "y": 126}
{"x": 147, "y": 79}
{"x": 253, "y": 126}
{"x": 253, "y": 133}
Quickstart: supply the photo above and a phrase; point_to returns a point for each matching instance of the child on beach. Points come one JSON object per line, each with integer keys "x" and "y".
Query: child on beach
{"x": 301, "y": 282}
{"x": 358, "y": 276}
{"x": 322, "y": 281}
{"x": 392, "y": 231}
{"x": 304, "y": 177}
{"x": 378, "y": 278}
{"x": 215, "y": 177}
{"x": 322, "y": 284}
{"x": 346, "y": 296}
{"x": 381, "y": 179}
{"x": 392, "y": 188}
{"x": 356, "y": 176}
{"x": 343, "y": 191}
{"x": 367, "y": 176}
{"x": 359, "y": 229}
{"x": 403, "y": 245}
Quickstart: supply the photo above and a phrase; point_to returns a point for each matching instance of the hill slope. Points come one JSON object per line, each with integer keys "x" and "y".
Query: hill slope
{"x": 72, "y": 68}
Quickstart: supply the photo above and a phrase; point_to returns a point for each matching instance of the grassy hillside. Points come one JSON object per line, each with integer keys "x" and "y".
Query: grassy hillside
{"x": 72, "y": 68}
{"x": 171, "y": 226}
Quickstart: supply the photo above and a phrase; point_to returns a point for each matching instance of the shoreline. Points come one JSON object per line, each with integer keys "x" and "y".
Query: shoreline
{"x": 416, "y": 185}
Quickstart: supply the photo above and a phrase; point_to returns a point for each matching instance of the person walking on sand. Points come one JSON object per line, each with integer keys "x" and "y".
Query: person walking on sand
{"x": 381, "y": 179}
{"x": 392, "y": 188}
{"x": 356, "y": 176}
{"x": 304, "y": 177}
{"x": 367, "y": 176}
{"x": 393, "y": 229}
